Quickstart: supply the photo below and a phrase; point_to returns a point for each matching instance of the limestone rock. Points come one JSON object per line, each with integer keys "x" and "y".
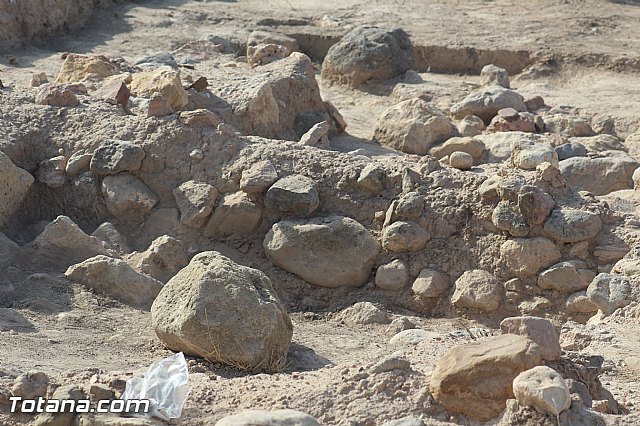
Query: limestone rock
{"x": 38, "y": 79}
{"x": 393, "y": 275}
{"x": 258, "y": 177}
{"x": 195, "y": 201}
{"x": 159, "y": 105}
{"x": 430, "y": 284}
{"x": 317, "y": 135}
{"x": 470, "y": 126}
{"x": 526, "y": 256}
{"x": 460, "y": 160}
{"x": 62, "y": 242}
{"x": 266, "y": 53}
{"x": 362, "y": 313}
{"x": 223, "y": 312}
{"x": 199, "y": 117}
{"x": 333, "y": 251}
{"x": 613, "y": 168}
{"x": 567, "y": 277}
{"x": 544, "y": 388}
{"x": 76, "y": 68}
{"x": 284, "y": 417}
{"x": 77, "y": 163}
{"x": 609, "y": 292}
{"x": 164, "y": 257}
{"x": 529, "y": 155}
{"x": 113, "y": 157}
{"x": 51, "y": 172}
{"x": 579, "y": 303}
{"x": 572, "y": 226}
{"x": 404, "y": 236}
{"x": 535, "y": 205}
{"x": 31, "y": 385}
{"x": 411, "y": 337}
{"x": 570, "y": 150}
{"x": 492, "y": 75}
{"x": 14, "y": 185}
{"x": 294, "y": 194}
{"x": 487, "y": 102}
{"x": 235, "y": 214}
{"x": 507, "y": 218}
{"x": 164, "y": 80}
{"x": 54, "y": 94}
{"x": 112, "y": 237}
{"x": 115, "y": 278}
{"x": 540, "y": 330}
{"x": 126, "y": 196}
{"x": 476, "y": 379}
{"x": 266, "y": 37}
{"x": 372, "y": 177}
{"x": 477, "y": 289}
{"x": 473, "y": 147}
{"x": 368, "y": 52}
{"x": 413, "y": 126}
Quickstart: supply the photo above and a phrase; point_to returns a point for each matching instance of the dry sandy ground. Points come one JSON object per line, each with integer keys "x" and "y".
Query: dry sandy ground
{"x": 77, "y": 335}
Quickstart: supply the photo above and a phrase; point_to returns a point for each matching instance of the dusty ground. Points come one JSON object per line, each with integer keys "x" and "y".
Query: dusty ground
{"x": 75, "y": 334}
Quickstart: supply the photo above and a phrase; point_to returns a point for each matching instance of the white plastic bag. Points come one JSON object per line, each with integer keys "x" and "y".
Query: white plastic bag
{"x": 165, "y": 386}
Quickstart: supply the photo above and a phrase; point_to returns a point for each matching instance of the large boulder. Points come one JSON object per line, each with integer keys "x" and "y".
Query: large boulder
{"x": 487, "y": 102}
{"x": 333, "y": 251}
{"x": 476, "y": 379}
{"x": 14, "y": 185}
{"x": 413, "y": 126}
{"x": 613, "y": 169}
{"x": 114, "y": 277}
{"x": 223, "y": 312}
{"x": 368, "y": 52}
{"x": 524, "y": 257}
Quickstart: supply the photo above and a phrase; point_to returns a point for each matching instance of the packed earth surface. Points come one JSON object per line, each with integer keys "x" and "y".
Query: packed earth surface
{"x": 354, "y": 213}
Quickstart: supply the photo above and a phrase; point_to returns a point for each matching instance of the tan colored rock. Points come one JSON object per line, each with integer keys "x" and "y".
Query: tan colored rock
{"x": 235, "y": 214}
{"x": 333, "y": 251}
{"x": 223, "y": 312}
{"x": 476, "y": 379}
{"x": 317, "y": 136}
{"x": 460, "y": 160}
{"x": 404, "y": 236}
{"x": 202, "y": 117}
{"x": 539, "y": 330}
{"x": 473, "y": 147}
{"x": 164, "y": 257}
{"x": 263, "y": 54}
{"x": 159, "y": 106}
{"x": 362, "y": 313}
{"x": 258, "y": 177}
{"x": 76, "y": 68}
{"x": 56, "y": 95}
{"x": 567, "y": 277}
{"x": 544, "y": 388}
{"x": 430, "y": 284}
{"x": 269, "y": 418}
{"x": 115, "y": 278}
{"x": 393, "y": 275}
{"x": 526, "y": 256}
{"x": 579, "y": 303}
{"x": 126, "y": 196}
{"x": 77, "y": 163}
{"x": 413, "y": 126}
{"x": 164, "y": 80}
{"x": 195, "y": 201}
{"x": 14, "y": 185}
{"x": 38, "y": 79}
{"x": 477, "y": 289}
